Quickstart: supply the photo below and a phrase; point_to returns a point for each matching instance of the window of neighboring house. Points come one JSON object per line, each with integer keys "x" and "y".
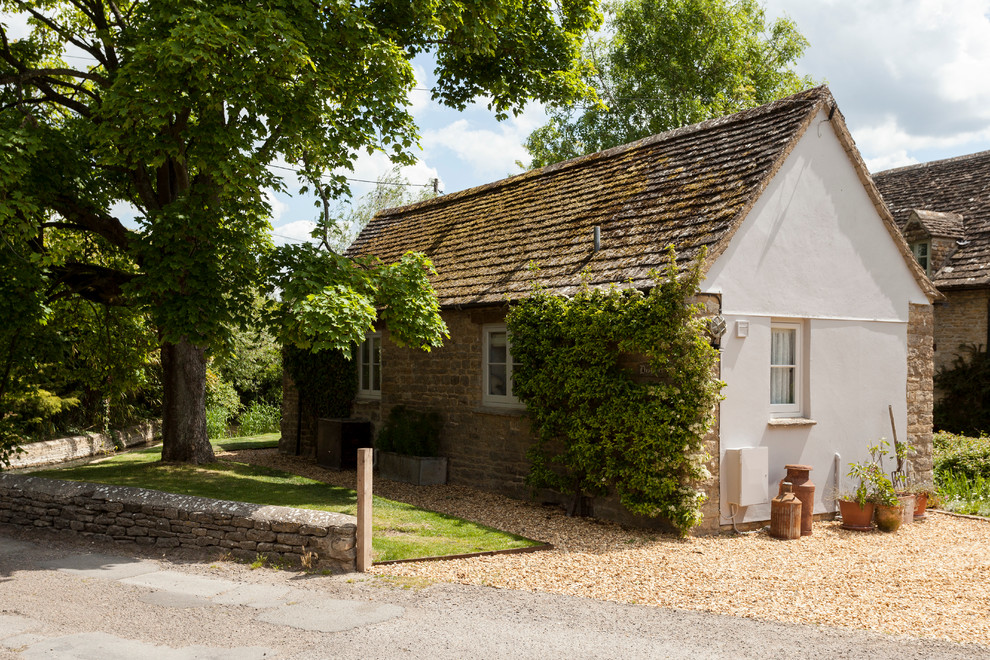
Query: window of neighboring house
{"x": 785, "y": 369}
{"x": 498, "y": 366}
{"x": 370, "y": 367}
{"x": 922, "y": 254}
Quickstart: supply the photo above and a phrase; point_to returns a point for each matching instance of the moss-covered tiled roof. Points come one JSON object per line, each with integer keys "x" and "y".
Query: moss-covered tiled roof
{"x": 688, "y": 188}
{"x": 957, "y": 185}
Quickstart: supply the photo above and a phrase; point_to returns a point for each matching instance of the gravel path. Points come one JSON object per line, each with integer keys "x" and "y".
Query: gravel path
{"x": 930, "y": 579}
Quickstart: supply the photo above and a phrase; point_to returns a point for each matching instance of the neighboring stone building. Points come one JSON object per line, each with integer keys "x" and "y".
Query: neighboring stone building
{"x": 943, "y": 209}
{"x": 802, "y": 256}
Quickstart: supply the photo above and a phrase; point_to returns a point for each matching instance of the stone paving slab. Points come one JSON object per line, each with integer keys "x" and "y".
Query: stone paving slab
{"x": 172, "y": 599}
{"x": 330, "y": 615}
{"x": 15, "y": 624}
{"x": 176, "y": 582}
{"x": 258, "y": 595}
{"x": 102, "y": 646}
{"x": 106, "y": 567}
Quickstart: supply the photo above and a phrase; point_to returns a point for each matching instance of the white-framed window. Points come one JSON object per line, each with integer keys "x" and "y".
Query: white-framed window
{"x": 922, "y": 252}
{"x": 785, "y": 369}
{"x": 369, "y": 363}
{"x": 498, "y": 366}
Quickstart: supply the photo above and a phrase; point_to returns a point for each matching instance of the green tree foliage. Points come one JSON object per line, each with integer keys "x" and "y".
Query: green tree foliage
{"x": 662, "y": 64}
{"x": 597, "y": 428}
{"x": 177, "y": 108}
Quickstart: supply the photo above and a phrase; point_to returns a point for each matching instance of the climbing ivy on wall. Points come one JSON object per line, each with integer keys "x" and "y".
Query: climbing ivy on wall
{"x": 326, "y": 380}
{"x": 596, "y": 427}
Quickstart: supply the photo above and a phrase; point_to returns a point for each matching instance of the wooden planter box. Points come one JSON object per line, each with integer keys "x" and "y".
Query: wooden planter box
{"x": 418, "y": 470}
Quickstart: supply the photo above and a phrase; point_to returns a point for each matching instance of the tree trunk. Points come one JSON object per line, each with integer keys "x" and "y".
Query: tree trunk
{"x": 184, "y": 438}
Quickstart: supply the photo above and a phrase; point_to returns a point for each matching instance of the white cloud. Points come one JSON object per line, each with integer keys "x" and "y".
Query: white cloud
{"x": 278, "y": 207}
{"x": 294, "y": 232}
{"x": 909, "y": 75}
{"x": 16, "y": 24}
{"x": 490, "y": 150}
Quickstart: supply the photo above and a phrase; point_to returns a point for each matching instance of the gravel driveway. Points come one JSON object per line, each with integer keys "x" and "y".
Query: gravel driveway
{"x": 64, "y": 597}
{"x": 929, "y": 580}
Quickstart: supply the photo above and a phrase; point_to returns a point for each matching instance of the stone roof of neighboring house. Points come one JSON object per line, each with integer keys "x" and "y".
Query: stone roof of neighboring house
{"x": 937, "y": 224}
{"x": 690, "y": 188}
{"x": 955, "y": 185}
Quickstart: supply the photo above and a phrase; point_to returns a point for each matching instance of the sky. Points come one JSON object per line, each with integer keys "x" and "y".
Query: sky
{"x": 911, "y": 77}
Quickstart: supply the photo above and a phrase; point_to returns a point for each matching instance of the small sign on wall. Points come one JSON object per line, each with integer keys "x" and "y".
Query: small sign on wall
{"x": 742, "y": 328}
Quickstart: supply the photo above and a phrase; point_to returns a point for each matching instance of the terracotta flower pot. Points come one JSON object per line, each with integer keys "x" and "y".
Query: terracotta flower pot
{"x": 889, "y": 518}
{"x": 855, "y": 516}
{"x": 920, "y": 506}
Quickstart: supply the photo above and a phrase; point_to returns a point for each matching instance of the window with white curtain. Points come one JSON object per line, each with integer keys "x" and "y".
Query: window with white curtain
{"x": 785, "y": 369}
{"x": 370, "y": 367}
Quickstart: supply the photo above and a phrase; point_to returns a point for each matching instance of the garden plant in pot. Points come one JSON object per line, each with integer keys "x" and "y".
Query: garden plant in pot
{"x": 874, "y": 496}
{"x": 408, "y": 447}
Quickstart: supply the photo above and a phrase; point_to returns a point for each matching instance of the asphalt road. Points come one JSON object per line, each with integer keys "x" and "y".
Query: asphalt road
{"x": 63, "y": 598}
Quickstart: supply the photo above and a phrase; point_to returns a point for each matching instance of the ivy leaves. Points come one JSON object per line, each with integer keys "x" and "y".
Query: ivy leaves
{"x": 599, "y": 428}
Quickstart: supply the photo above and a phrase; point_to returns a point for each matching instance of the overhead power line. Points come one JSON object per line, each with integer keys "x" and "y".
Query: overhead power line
{"x": 433, "y": 182}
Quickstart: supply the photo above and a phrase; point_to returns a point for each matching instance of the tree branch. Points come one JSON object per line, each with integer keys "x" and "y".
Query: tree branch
{"x": 96, "y": 283}
{"x": 62, "y": 32}
{"x": 78, "y": 216}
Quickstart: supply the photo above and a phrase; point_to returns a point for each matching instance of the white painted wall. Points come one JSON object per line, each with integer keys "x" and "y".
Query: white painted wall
{"x": 814, "y": 250}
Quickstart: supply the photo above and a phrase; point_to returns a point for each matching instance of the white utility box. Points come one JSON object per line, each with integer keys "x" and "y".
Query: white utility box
{"x": 746, "y": 472}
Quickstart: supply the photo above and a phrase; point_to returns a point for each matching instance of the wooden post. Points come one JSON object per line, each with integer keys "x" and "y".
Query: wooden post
{"x": 364, "y": 463}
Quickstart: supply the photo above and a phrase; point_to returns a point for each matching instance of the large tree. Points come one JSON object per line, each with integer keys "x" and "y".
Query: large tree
{"x": 662, "y": 64}
{"x": 175, "y": 108}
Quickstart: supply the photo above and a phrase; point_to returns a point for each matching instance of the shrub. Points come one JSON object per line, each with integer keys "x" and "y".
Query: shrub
{"x": 962, "y": 494}
{"x": 961, "y": 455}
{"x": 964, "y": 388}
{"x": 222, "y": 405}
{"x": 411, "y": 432}
{"x": 259, "y": 418}
{"x": 216, "y": 423}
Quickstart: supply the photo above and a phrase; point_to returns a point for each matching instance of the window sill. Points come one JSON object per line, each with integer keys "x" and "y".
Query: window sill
{"x": 791, "y": 421}
{"x": 509, "y": 411}
{"x": 368, "y": 398}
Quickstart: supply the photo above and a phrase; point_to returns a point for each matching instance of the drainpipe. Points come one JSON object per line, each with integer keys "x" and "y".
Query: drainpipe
{"x": 837, "y": 478}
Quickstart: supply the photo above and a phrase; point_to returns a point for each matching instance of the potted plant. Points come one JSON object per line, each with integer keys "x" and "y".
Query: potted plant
{"x": 408, "y": 447}
{"x": 857, "y": 508}
{"x": 922, "y": 495}
{"x": 889, "y": 509}
{"x": 898, "y": 477}
{"x": 874, "y": 497}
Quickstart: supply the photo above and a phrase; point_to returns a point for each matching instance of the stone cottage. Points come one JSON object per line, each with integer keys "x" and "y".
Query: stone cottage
{"x": 827, "y": 313}
{"x": 943, "y": 210}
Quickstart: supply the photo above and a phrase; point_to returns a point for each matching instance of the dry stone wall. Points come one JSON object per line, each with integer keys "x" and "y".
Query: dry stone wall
{"x": 165, "y": 520}
{"x": 49, "y": 452}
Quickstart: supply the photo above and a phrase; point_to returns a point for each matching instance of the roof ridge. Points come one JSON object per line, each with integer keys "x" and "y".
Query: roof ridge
{"x": 812, "y": 96}
{"x": 934, "y": 163}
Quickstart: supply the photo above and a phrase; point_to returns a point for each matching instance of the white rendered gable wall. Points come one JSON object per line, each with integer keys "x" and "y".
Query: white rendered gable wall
{"x": 814, "y": 250}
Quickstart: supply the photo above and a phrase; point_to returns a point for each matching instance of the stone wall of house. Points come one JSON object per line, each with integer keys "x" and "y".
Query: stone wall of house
{"x": 960, "y": 319}
{"x": 920, "y": 396}
{"x": 61, "y": 450}
{"x": 940, "y": 251}
{"x": 165, "y": 520}
{"x": 485, "y": 446}
{"x": 297, "y": 428}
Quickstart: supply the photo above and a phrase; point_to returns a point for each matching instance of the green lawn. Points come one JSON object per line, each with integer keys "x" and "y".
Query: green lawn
{"x": 401, "y": 531}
